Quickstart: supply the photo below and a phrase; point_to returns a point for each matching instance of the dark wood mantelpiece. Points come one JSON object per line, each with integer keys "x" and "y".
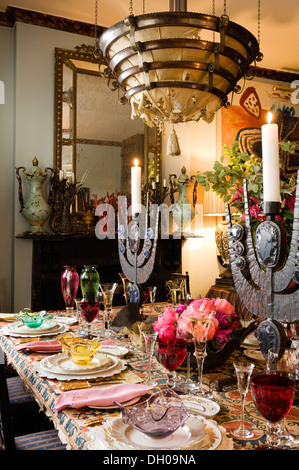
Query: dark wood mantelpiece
{"x": 52, "y": 252}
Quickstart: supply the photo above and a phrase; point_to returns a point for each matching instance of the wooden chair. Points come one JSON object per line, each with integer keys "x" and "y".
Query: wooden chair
{"x": 177, "y": 277}
{"x": 44, "y": 440}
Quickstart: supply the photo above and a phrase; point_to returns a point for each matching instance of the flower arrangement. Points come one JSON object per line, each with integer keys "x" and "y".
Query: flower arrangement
{"x": 227, "y": 177}
{"x": 178, "y": 322}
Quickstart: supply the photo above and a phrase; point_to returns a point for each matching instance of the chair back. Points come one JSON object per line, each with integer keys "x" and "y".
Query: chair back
{"x": 181, "y": 280}
{"x": 6, "y": 425}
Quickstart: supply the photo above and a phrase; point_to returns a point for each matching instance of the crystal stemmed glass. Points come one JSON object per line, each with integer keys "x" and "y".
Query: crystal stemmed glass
{"x": 175, "y": 287}
{"x": 284, "y": 361}
{"x": 90, "y": 311}
{"x": 200, "y": 328}
{"x": 150, "y": 337}
{"x": 243, "y": 371}
{"x": 273, "y": 395}
{"x": 108, "y": 289}
{"x": 171, "y": 353}
{"x": 188, "y": 386}
{"x": 152, "y": 294}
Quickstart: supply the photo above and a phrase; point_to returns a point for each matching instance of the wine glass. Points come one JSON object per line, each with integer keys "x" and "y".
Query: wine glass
{"x": 273, "y": 395}
{"x": 152, "y": 294}
{"x": 108, "y": 289}
{"x": 90, "y": 311}
{"x": 171, "y": 353}
{"x": 243, "y": 372}
{"x": 200, "y": 328}
{"x": 176, "y": 288}
{"x": 285, "y": 361}
{"x": 150, "y": 337}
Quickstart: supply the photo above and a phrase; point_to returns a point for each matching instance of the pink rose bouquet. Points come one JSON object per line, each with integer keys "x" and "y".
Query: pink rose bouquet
{"x": 178, "y": 323}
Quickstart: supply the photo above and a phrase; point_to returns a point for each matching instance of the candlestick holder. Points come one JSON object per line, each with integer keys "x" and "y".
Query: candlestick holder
{"x": 266, "y": 280}
{"x": 158, "y": 193}
{"x": 66, "y": 192}
{"x": 136, "y": 258}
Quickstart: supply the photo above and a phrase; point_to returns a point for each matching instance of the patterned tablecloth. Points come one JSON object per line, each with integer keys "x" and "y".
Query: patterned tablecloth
{"x": 74, "y": 424}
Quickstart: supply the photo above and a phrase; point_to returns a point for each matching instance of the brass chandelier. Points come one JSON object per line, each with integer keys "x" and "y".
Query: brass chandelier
{"x": 166, "y": 69}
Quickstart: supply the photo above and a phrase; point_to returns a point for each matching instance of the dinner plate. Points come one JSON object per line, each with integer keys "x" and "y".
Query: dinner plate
{"x": 118, "y": 351}
{"x": 250, "y": 342}
{"x": 255, "y": 355}
{"x": 43, "y": 371}
{"x": 62, "y": 364}
{"x": 200, "y": 405}
{"x": 115, "y": 435}
{"x": 33, "y": 332}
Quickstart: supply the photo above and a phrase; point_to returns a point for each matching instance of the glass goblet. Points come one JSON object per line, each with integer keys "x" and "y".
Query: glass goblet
{"x": 171, "y": 353}
{"x": 150, "y": 337}
{"x": 176, "y": 287}
{"x": 90, "y": 311}
{"x": 188, "y": 386}
{"x": 284, "y": 361}
{"x": 243, "y": 372}
{"x": 200, "y": 328}
{"x": 108, "y": 289}
{"x": 273, "y": 395}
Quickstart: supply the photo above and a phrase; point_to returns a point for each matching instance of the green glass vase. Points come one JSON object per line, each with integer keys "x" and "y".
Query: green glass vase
{"x": 89, "y": 283}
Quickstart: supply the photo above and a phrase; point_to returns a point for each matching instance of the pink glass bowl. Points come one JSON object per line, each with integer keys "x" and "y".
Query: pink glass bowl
{"x": 159, "y": 416}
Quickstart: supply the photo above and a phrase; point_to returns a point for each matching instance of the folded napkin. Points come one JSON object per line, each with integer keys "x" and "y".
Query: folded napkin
{"x": 43, "y": 346}
{"x": 100, "y": 396}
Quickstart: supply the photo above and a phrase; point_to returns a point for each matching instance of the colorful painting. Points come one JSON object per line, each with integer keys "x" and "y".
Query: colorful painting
{"x": 249, "y": 110}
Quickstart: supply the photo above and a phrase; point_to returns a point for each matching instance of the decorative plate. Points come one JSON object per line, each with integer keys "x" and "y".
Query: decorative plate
{"x": 118, "y": 351}
{"x": 196, "y": 434}
{"x": 62, "y": 364}
{"x": 18, "y": 329}
{"x": 43, "y": 371}
{"x": 255, "y": 355}
{"x": 200, "y": 406}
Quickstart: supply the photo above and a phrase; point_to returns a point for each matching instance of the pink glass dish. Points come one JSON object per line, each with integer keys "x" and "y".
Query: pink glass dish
{"x": 159, "y": 416}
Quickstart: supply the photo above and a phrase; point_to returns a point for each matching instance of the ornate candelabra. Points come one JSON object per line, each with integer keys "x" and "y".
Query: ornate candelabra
{"x": 137, "y": 259}
{"x": 157, "y": 193}
{"x": 266, "y": 281}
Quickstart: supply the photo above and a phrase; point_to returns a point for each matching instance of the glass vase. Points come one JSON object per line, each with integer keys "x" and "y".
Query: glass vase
{"x": 69, "y": 286}
{"x": 89, "y": 283}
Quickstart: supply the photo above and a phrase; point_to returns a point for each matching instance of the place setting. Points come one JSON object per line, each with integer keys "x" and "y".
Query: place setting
{"x": 30, "y": 324}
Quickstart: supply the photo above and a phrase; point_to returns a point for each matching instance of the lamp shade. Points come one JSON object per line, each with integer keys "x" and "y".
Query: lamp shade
{"x": 213, "y": 204}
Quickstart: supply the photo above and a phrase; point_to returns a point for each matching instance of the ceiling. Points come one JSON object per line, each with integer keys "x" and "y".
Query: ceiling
{"x": 279, "y": 20}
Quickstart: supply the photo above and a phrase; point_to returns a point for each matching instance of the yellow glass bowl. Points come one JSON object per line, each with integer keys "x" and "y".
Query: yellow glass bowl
{"x": 80, "y": 350}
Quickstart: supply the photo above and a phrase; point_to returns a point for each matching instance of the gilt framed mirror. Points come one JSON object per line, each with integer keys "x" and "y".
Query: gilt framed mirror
{"x": 95, "y": 139}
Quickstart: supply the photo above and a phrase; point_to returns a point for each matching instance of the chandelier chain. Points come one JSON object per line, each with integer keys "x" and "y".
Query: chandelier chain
{"x": 143, "y": 7}
{"x": 96, "y": 49}
{"x": 259, "y": 22}
{"x": 224, "y": 7}
{"x": 131, "y": 8}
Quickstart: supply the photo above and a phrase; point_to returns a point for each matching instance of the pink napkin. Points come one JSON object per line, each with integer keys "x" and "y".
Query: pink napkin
{"x": 103, "y": 396}
{"x": 46, "y": 346}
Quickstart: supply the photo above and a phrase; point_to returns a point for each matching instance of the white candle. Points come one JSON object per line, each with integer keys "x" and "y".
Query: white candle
{"x": 60, "y": 175}
{"x": 153, "y": 185}
{"x": 157, "y": 178}
{"x": 164, "y": 183}
{"x": 136, "y": 187}
{"x": 271, "y": 172}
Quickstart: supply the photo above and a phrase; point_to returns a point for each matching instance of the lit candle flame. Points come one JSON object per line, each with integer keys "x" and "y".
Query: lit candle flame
{"x": 136, "y": 162}
{"x": 269, "y": 118}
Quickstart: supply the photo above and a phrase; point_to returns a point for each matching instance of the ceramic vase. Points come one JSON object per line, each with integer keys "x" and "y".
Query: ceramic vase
{"x": 35, "y": 210}
{"x": 183, "y": 211}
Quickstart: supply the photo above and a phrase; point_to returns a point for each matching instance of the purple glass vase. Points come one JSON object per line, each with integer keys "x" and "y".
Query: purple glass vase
{"x": 69, "y": 287}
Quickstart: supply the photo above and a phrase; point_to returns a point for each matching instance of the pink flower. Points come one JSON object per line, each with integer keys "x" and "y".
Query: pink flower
{"x": 166, "y": 324}
{"x": 222, "y": 336}
{"x": 224, "y": 306}
{"x": 201, "y": 308}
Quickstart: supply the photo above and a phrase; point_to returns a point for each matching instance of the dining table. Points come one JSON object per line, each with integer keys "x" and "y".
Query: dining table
{"x": 81, "y": 428}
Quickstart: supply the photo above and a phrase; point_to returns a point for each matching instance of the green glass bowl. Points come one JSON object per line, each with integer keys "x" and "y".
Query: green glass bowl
{"x": 33, "y": 319}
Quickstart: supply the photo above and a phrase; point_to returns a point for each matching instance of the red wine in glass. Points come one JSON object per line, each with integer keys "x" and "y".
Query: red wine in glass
{"x": 90, "y": 311}
{"x": 273, "y": 395}
{"x": 171, "y": 354}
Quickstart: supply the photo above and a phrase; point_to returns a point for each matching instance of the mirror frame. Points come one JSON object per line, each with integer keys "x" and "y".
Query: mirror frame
{"x": 152, "y": 143}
